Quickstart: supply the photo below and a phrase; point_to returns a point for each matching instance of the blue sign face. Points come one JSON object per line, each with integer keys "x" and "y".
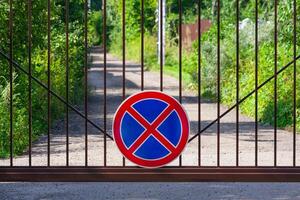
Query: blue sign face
{"x": 151, "y": 148}
{"x": 151, "y": 128}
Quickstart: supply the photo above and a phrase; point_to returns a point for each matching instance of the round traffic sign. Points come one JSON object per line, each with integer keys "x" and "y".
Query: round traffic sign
{"x": 151, "y": 129}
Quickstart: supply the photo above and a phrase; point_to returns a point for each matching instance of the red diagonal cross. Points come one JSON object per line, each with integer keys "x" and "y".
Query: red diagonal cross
{"x": 151, "y": 129}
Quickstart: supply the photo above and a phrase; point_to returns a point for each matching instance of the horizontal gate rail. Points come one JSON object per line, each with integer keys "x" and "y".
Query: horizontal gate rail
{"x": 125, "y": 174}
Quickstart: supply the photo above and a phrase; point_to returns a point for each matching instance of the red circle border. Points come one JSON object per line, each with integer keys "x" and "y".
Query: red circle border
{"x": 151, "y": 95}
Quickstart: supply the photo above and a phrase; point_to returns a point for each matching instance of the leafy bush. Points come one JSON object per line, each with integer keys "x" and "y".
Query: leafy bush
{"x": 247, "y": 66}
{"x": 39, "y": 68}
{"x": 95, "y": 28}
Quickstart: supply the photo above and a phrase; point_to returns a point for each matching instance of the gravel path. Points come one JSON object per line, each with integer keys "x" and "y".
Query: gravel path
{"x": 114, "y": 91}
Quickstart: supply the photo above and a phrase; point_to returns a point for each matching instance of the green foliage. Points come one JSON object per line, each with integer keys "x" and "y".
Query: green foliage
{"x": 95, "y": 28}
{"x": 39, "y": 68}
{"x": 96, "y": 5}
{"x": 228, "y": 53}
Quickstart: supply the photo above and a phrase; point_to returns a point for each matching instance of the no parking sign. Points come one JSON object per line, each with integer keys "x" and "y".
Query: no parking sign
{"x": 151, "y": 129}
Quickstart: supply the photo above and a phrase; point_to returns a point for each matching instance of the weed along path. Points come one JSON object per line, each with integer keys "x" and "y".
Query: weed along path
{"x": 95, "y": 151}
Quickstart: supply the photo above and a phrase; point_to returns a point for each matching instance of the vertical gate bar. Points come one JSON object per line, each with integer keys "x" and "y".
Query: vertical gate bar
{"x": 218, "y": 85}
{"x": 237, "y": 78}
{"x": 67, "y": 79}
{"x": 105, "y": 85}
{"x": 161, "y": 45}
{"x": 275, "y": 82}
{"x": 199, "y": 82}
{"x": 295, "y": 82}
{"x": 180, "y": 50}
{"x": 11, "y": 78}
{"x": 124, "y": 53}
{"x": 142, "y": 44}
{"x": 29, "y": 81}
{"x": 49, "y": 79}
{"x": 180, "y": 61}
{"x": 256, "y": 83}
{"x": 123, "y": 46}
{"x": 86, "y": 80}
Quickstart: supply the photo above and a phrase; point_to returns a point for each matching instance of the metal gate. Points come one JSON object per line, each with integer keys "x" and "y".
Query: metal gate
{"x": 180, "y": 171}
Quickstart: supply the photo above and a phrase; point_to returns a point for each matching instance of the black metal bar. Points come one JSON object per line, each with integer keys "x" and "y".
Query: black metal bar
{"x": 49, "y": 80}
{"x": 29, "y": 81}
{"x": 199, "y": 81}
{"x": 180, "y": 49}
{"x": 11, "y": 80}
{"x": 161, "y": 46}
{"x": 105, "y": 85}
{"x": 256, "y": 82}
{"x": 124, "y": 52}
{"x": 237, "y": 78}
{"x": 142, "y": 43}
{"x": 67, "y": 79}
{"x": 55, "y": 95}
{"x": 275, "y": 82}
{"x": 86, "y": 79}
{"x": 124, "y": 47}
{"x": 218, "y": 83}
{"x": 243, "y": 99}
{"x": 295, "y": 82}
{"x": 130, "y": 174}
{"x": 180, "y": 60}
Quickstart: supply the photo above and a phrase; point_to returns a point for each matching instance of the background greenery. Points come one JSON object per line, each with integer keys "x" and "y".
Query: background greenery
{"x": 228, "y": 50}
{"x": 39, "y": 67}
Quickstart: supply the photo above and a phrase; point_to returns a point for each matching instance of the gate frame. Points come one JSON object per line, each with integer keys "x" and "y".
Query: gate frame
{"x": 124, "y": 174}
